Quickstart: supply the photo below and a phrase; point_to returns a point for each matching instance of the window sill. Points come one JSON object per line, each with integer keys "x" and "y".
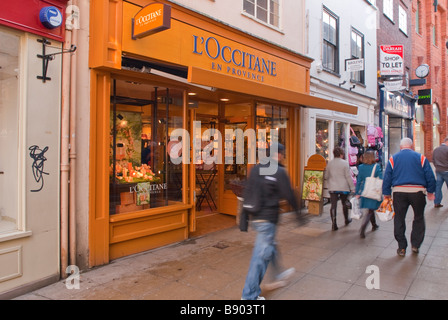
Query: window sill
{"x": 15, "y": 235}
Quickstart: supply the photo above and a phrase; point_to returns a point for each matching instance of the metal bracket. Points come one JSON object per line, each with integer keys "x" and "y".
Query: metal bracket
{"x": 46, "y": 58}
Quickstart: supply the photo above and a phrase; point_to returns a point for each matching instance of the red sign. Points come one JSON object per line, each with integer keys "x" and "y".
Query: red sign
{"x": 151, "y": 19}
{"x": 391, "y": 60}
{"x": 24, "y": 15}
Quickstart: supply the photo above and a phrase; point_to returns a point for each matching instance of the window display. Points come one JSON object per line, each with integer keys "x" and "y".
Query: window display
{"x": 269, "y": 118}
{"x": 322, "y": 143}
{"x": 142, "y": 175}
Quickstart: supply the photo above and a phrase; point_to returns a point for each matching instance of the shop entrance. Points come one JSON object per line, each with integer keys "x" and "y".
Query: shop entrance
{"x": 216, "y": 200}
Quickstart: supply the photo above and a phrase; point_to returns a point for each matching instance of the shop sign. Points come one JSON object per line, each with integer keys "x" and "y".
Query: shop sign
{"x": 233, "y": 60}
{"x": 50, "y": 17}
{"x": 151, "y": 19}
{"x": 424, "y": 96}
{"x": 397, "y": 105}
{"x": 391, "y": 60}
{"x": 394, "y": 85}
{"x": 354, "y": 65}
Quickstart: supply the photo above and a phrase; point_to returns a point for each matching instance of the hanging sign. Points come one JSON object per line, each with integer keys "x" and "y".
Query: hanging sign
{"x": 394, "y": 85}
{"x": 424, "y": 96}
{"x": 391, "y": 60}
{"x": 151, "y": 19}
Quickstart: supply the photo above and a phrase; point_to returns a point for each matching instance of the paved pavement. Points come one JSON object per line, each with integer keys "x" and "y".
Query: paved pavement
{"x": 329, "y": 265}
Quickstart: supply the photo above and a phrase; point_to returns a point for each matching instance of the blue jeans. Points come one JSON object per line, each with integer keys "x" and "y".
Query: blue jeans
{"x": 441, "y": 178}
{"x": 265, "y": 251}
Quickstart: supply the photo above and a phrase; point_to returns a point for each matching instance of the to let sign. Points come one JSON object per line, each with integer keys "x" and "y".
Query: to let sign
{"x": 391, "y": 60}
{"x": 151, "y": 19}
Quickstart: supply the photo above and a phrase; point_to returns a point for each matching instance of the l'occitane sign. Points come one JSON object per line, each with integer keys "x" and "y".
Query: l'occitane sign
{"x": 151, "y": 19}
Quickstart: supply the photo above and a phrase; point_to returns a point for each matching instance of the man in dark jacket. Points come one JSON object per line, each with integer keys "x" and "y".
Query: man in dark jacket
{"x": 440, "y": 158}
{"x": 409, "y": 176}
{"x": 261, "y": 201}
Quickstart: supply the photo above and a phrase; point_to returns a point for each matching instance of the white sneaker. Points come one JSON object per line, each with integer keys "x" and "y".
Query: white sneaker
{"x": 282, "y": 280}
{"x": 286, "y": 275}
{"x": 258, "y": 298}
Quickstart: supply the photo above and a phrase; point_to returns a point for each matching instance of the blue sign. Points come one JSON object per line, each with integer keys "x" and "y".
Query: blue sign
{"x": 50, "y": 17}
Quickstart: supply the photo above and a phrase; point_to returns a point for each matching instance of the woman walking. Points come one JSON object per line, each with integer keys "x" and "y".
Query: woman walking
{"x": 340, "y": 184}
{"x": 366, "y": 204}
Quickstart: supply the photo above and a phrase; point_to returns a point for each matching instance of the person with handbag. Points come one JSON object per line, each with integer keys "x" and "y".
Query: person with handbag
{"x": 340, "y": 185}
{"x": 369, "y": 168}
{"x": 409, "y": 177}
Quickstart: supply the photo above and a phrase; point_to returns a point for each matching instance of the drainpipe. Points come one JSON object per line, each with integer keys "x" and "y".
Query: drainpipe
{"x": 65, "y": 112}
{"x": 72, "y": 154}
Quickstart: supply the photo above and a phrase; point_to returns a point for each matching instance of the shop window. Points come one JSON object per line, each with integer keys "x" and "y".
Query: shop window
{"x": 142, "y": 174}
{"x": 340, "y": 134}
{"x": 9, "y": 132}
{"x": 267, "y": 11}
{"x": 322, "y": 142}
{"x": 330, "y": 41}
{"x": 273, "y": 119}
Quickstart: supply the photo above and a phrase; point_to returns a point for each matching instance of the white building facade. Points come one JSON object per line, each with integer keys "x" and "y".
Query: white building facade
{"x": 336, "y": 37}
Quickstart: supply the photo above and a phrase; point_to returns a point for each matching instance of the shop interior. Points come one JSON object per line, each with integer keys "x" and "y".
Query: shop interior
{"x": 142, "y": 117}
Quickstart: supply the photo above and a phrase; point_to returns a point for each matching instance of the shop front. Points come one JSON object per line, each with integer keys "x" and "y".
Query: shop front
{"x": 397, "y": 115}
{"x": 30, "y": 109}
{"x": 179, "y": 113}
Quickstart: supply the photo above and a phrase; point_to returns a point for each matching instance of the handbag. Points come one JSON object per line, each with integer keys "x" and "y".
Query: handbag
{"x": 354, "y": 141}
{"x": 373, "y": 187}
{"x": 386, "y": 210}
{"x": 355, "y": 212}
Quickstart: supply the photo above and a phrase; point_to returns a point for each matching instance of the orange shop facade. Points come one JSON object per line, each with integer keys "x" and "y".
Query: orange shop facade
{"x": 157, "y": 68}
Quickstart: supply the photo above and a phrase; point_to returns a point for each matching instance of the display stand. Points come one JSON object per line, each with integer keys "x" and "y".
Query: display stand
{"x": 313, "y": 183}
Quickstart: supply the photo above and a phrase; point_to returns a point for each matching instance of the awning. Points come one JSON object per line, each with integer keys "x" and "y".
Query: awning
{"x": 221, "y": 81}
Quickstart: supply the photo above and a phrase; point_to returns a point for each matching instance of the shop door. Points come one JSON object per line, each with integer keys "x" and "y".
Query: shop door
{"x": 237, "y": 117}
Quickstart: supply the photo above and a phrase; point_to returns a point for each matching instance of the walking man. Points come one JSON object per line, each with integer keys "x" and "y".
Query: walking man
{"x": 409, "y": 177}
{"x": 266, "y": 191}
{"x": 440, "y": 159}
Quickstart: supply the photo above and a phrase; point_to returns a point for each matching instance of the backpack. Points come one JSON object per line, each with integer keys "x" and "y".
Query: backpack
{"x": 352, "y": 159}
{"x": 379, "y": 132}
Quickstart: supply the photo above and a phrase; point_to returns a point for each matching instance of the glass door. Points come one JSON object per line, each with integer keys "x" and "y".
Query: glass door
{"x": 236, "y": 122}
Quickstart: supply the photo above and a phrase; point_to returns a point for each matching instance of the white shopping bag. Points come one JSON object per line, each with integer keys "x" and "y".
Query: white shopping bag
{"x": 355, "y": 212}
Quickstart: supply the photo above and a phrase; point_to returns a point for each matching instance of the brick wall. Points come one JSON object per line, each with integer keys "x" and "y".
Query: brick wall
{"x": 424, "y": 51}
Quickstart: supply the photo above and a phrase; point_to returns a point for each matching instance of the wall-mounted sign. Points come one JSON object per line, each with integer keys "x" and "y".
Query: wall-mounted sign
{"x": 151, "y": 19}
{"x": 424, "y": 96}
{"x": 353, "y": 65}
{"x": 50, "y": 17}
{"x": 391, "y": 60}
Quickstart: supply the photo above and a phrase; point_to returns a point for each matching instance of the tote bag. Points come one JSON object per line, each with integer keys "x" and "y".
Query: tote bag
{"x": 373, "y": 187}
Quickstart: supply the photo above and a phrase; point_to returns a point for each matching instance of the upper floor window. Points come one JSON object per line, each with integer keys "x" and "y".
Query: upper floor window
{"x": 357, "y": 52}
{"x": 388, "y": 9}
{"x": 330, "y": 41}
{"x": 417, "y": 17}
{"x": 402, "y": 19}
{"x": 267, "y": 11}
